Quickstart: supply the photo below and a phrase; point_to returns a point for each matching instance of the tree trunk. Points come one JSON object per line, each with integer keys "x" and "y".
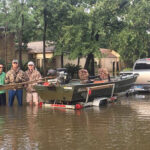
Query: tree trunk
{"x": 92, "y": 66}
{"x": 6, "y": 49}
{"x": 79, "y": 57}
{"x": 89, "y": 65}
{"x": 44, "y": 39}
{"x": 20, "y": 35}
{"x": 5, "y": 29}
{"x": 78, "y": 61}
{"x": 149, "y": 53}
{"x": 149, "y": 50}
{"x": 20, "y": 48}
{"x": 62, "y": 60}
{"x": 20, "y": 40}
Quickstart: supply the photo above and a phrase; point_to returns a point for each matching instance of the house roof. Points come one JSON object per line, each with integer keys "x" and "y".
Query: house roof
{"x": 37, "y": 47}
{"x": 107, "y": 53}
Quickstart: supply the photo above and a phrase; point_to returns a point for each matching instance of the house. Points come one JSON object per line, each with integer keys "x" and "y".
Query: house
{"x": 110, "y": 59}
{"x": 35, "y": 53}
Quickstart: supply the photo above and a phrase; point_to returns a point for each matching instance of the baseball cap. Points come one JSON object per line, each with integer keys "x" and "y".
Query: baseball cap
{"x": 31, "y": 63}
{"x": 14, "y": 61}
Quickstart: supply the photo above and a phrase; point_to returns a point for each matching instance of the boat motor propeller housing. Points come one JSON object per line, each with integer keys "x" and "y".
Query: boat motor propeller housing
{"x": 62, "y": 75}
{"x": 52, "y": 72}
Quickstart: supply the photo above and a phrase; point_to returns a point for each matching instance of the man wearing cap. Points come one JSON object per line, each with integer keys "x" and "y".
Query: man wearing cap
{"x": 33, "y": 74}
{"x": 15, "y": 75}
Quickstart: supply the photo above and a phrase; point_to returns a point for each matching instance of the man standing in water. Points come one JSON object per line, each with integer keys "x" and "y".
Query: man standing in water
{"x": 15, "y": 75}
{"x": 32, "y": 73}
{"x": 2, "y": 82}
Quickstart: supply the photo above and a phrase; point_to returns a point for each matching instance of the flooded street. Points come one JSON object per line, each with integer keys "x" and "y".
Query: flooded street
{"x": 123, "y": 125}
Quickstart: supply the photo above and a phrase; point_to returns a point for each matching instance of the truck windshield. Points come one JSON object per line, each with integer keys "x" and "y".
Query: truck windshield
{"x": 139, "y": 66}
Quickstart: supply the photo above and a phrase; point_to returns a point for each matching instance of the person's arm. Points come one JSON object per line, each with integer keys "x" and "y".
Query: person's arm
{"x": 21, "y": 77}
{"x": 7, "y": 79}
{"x": 26, "y": 78}
{"x": 38, "y": 77}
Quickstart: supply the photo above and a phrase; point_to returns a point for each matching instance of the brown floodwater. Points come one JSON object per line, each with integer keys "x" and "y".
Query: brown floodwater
{"x": 123, "y": 125}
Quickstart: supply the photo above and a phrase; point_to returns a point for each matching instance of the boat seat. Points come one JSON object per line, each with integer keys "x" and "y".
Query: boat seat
{"x": 83, "y": 75}
{"x": 103, "y": 74}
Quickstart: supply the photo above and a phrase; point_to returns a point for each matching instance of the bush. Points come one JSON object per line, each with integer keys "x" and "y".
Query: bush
{"x": 41, "y": 70}
{"x": 2, "y": 61}
{"x": 8, "y": 65}
{"x": 127, "y": 69}
{"x": 72, "y": 69}
{"x": 24, "y": 66}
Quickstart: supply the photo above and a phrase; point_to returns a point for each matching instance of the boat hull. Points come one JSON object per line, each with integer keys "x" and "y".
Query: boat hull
{"x": 76, "y": 92}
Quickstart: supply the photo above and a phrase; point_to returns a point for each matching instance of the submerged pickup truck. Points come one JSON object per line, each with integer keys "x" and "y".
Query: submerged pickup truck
{"x": 142, "y": 68}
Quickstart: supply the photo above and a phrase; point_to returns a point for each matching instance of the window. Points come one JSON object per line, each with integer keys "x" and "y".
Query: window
{"x": 139, "y": 66}
{"x": 38, "y": 63}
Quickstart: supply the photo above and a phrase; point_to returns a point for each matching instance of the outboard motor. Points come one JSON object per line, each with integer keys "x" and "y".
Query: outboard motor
{"x": 52, "y": 74}
{"x": 62, "y": 75}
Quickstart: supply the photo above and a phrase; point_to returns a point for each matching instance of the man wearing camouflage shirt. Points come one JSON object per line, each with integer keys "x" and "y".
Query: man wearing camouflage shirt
{"x": 15, "y": 75}
{"x": 33, "y": 74}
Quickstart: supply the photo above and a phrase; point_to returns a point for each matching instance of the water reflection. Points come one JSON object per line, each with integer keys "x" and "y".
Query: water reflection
{"x": 12, "y": 124}
{"x": 140, "y": 104}
{"x": 32, "y": 129}
{"x": 121, "y": 125}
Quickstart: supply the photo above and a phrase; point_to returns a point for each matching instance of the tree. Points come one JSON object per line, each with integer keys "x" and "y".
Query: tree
{"x": 52, "y": 13}
{"x": 19, "y": 20}
{"x": 76, "y": 35}
{"x": 81, "y": 27}
{"x": 132, "y": 41}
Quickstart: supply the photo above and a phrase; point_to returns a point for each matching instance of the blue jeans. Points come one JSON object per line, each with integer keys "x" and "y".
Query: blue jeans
{"x": 12, "y": 94}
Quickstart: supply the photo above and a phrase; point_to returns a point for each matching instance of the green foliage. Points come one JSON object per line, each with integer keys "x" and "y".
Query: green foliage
{"x": 2, "y": 61}
{"x": 24, "y": 66}
{"x": 77, "y": 34}
{"x": 80, "y": 27}
{"x": 8, "y": 66}
{"x": 127, "y": 69}
{"x": 41, "y": 71}
{"x": 132, "y": 42}
{"x": 72, "y": 69}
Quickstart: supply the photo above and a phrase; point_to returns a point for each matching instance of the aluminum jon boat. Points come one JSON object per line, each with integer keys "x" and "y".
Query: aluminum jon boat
{"x": 75, "y": 91}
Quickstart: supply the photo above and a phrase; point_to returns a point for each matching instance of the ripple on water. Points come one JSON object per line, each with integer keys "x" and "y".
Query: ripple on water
{"x": 122, "y": 125}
